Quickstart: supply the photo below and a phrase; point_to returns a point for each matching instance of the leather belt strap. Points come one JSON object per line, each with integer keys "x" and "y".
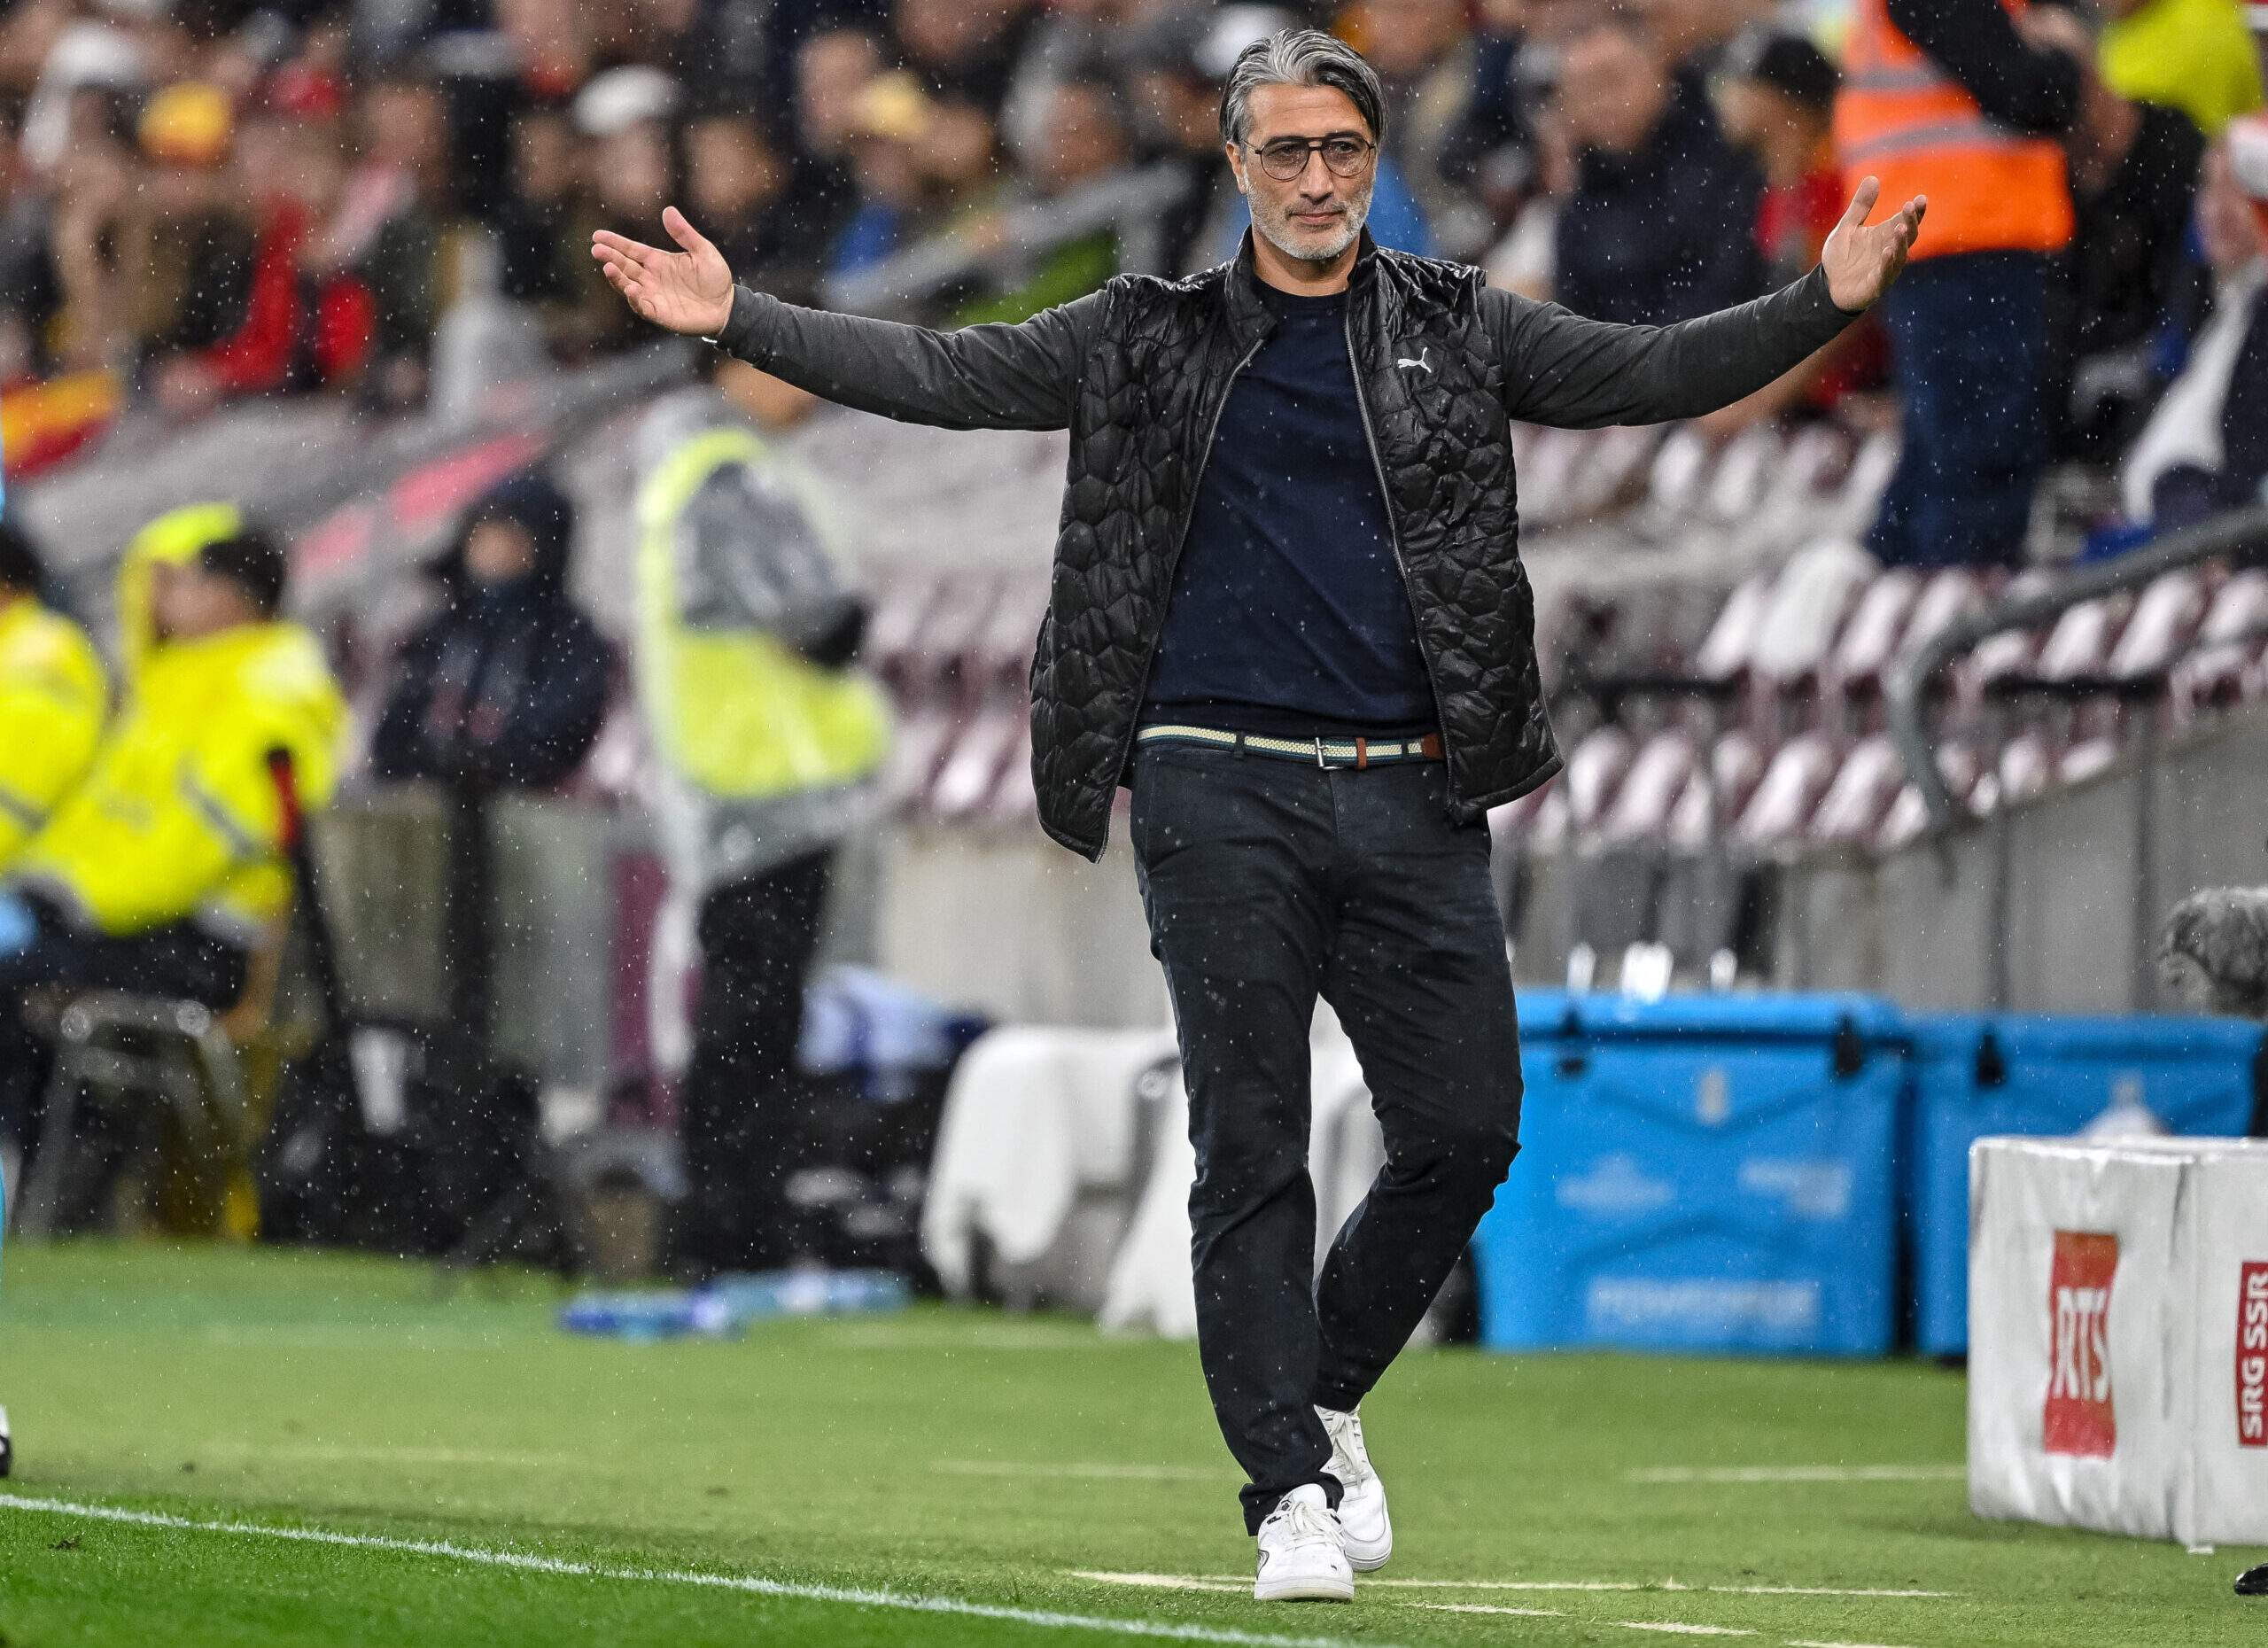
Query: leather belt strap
{"x": 1356, "y": 753}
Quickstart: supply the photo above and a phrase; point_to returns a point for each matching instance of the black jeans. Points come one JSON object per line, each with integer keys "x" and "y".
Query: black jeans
{"x": 744, "y": 1100}
{"x": 1267, "y": 883}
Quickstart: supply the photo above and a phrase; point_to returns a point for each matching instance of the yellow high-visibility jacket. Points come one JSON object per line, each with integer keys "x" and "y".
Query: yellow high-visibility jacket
{"x": 735, "y": 710}
{"x": 179, "y": 817}
{"x": 53, "y": 697}
{"x": 172, "y": 539}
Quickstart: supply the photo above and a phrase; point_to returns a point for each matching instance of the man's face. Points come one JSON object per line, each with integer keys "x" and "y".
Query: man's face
{"x": 1613, "y": 91}
{"x": 190, "y": 603}
{"x": 1083, "y": 138}
{"x": 1316, "y": 215}
{"x": 499, "y": 552}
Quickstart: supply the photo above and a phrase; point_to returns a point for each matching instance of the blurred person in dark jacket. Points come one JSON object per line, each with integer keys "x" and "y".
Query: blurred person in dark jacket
{"x": 2133, "y": 176}
{"x": 508, "y": 686}
{"x": 1946, "y": 98}
{"x": 1661, "y": 225}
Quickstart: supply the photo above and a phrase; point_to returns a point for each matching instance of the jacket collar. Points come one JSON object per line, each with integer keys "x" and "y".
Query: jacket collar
{"x": 1250, "y": 319}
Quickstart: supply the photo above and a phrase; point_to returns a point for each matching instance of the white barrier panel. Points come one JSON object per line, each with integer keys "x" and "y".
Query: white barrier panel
{"x": 2118, "y": 1336}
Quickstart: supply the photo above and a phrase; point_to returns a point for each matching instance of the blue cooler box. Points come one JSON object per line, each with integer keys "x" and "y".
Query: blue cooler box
{"x": 1700, "y": 1173}
{"x": 1981, "y": 1073}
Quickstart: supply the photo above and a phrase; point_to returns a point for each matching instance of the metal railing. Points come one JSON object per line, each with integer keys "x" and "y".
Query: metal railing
{"x": 1906, "y": 693}
{"x": 1907, "y": 688}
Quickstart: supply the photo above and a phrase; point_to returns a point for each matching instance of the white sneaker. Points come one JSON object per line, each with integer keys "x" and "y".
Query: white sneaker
{"x": 1361, "y": 1508}
{"x": 1300, "y": 1554}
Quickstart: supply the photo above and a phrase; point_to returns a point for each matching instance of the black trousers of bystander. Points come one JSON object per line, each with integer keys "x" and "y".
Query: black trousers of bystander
{"x": 743, "y": 1101}
{"x": 1268, "y": 883}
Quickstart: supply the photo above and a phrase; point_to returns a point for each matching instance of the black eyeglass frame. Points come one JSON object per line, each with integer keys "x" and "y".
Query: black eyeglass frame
{"x": 1365, "y": 150}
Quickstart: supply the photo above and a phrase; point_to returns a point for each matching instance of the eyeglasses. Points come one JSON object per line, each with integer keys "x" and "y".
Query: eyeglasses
{"x": 1287, "y": 158}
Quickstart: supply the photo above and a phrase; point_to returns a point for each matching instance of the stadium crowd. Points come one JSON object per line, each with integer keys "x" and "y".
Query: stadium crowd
{"x": 217, "y": 198}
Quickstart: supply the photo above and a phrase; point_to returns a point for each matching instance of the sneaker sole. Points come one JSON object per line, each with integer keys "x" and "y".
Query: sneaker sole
{"x": 1314, "y": 1589}
{"x": 1370, "y": 1559}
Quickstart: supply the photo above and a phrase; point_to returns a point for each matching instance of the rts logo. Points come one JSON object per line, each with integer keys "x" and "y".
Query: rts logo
{"x": 2077, "y": 1419}
{"x": 2252, "y": 1357}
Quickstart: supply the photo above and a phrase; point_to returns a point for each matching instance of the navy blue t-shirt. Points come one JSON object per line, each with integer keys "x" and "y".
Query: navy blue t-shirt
{"x": 1288, "y": 615}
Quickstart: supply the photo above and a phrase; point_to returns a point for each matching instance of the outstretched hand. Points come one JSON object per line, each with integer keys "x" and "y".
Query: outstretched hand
{"x": 688, "y": 292}
{"x": 1861, "y": 261}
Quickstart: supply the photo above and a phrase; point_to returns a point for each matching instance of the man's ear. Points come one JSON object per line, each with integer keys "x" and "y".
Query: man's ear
{"x": 1236, "y": 166}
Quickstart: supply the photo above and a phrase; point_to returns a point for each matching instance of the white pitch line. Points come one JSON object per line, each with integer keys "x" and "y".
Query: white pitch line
{"x": 1105, "y": 1473}
{"x": 525, "y": 1562}
{"x": 1160, "y": 1582}
{"x": 1801, "y": 1473}
{"x": 1170, "y": 1580}
{"x": 1813, "y": 1644}
{"x": 1682, "y": 1630}
{"x": 1483, "y": 1607}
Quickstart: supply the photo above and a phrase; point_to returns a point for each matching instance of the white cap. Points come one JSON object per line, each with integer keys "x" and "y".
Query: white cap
{"x": 2248, "y": 154}
{"x": 623, "y": 96}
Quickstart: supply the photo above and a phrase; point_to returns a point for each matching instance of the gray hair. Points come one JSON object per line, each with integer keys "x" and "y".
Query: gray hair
{"x": 1299, "y": 57}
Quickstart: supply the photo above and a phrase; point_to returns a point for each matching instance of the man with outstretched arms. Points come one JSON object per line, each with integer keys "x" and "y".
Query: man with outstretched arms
{"x": 1287, "y": 609}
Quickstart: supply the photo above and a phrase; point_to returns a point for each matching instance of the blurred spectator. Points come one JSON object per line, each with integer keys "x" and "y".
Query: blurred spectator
{"x": 2206, "y": 447}
{"x": 508, "y": 686}
{"x": 888, "y": 119}
{"x": 1067, "y": 39}
{"x": 832, "y": 68}
{"x": 632, "y": 168}
{"x": 2133, "y": 174}
{"x": 1943, "y": 98}
{"x": 257, "y": 314}
{"x": 53, "y": 696}
{"x": 1696, "y": 37}
{"x": 768, "y": 746}
{"x": 1178, "y": 114}
{"x": 964, "y": 49}
{"x": 1088, "y": 149}
{"x": 1493, "y": 150}
{"x": 2196, "y": 56}
{"x": 540, "y": 218}
{"x": 1778, "y": 107}
{"x": 1424, "y": 58}
{"x": 389, "y": 229}
{"x": 1661, "y": 226}
{"x": 163, "y": 871}
{"x": 736, "y": 182}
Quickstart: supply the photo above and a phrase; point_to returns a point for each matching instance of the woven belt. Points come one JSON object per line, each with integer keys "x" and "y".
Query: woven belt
{"x": 1323, "y": 752}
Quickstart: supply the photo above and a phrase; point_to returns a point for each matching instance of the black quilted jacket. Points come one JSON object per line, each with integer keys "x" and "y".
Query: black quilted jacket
{"x": 1138, "y": 373}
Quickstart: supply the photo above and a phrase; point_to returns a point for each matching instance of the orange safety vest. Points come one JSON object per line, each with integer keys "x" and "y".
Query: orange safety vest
{"x": 1902, "y": 119}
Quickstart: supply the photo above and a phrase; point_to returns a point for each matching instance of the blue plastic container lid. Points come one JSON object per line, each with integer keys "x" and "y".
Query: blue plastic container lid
{"x": 1713, "y": 1016}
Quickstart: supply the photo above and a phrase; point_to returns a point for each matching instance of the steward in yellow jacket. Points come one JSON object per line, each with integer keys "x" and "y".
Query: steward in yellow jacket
{"x": 164, "y": 868}
{"x": 770, "y": 746}
{"x": 153, "y": 556}
{"x": 53, "y": 696}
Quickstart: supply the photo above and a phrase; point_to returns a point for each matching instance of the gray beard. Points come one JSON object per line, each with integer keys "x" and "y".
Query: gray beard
{"x": 1357, "y": 214}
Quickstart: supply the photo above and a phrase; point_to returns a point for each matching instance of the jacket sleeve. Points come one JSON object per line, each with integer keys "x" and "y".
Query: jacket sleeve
{"x": 997, "y": 377}
{"x": 1975, "y": 42}
{"x": 1573, "y": 373}
{"x": 398, "y": 747}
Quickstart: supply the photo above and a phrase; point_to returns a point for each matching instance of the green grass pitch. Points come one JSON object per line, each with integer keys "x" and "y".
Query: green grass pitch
{"x": 255, "y": 1448}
